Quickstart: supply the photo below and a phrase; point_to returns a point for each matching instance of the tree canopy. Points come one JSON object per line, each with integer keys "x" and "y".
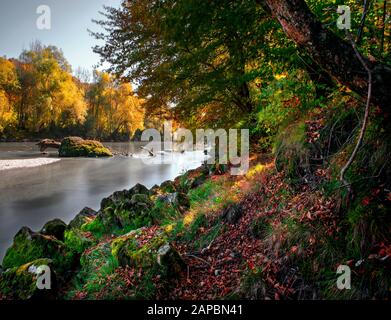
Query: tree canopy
{"x": 39, "y": 95}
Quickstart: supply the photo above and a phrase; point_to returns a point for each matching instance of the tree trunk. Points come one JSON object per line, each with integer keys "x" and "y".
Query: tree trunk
{"x": 335, "y": 55}
{"x": 245, "y": 98}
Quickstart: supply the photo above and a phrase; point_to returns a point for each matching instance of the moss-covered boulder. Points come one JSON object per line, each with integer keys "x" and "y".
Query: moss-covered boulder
{"x": 198, "y": 181}
{"x": 20, "y": 283}
{"x": 190, "y": 180}
{"x": 78, "y": 147}
{"x": 125, "y": 210}
{"x": 78, "y": 240}
{"x": 55, "y": 228}
{"x": 76, "y": 236}
{"x": 232, "y": 213}
{"x": 124, "y": 249}
{"x": 154, "y": 190}
{"x": 84, "y": 216}
{"x": 168, "y": 186}
{"x": 121, "y": 197}
{"x": 154, "y": 254}
{"x": 139, "y": 189}
{"x": 177, "y": 200}
{"x": 141, "y": 200}
{"x": 169, "y": 258}
{"x": 29, "y": 246}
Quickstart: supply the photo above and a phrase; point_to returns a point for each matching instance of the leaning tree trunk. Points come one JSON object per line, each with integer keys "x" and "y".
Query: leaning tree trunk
{"x": 335, "y": 55}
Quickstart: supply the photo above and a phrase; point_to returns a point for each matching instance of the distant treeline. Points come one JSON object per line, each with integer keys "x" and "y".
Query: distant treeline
{"x": 39, "y": 97}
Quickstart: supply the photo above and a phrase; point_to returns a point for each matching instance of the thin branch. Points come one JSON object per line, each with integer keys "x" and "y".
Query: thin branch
{"x": 383, "y": 27}
{"x": 366, "y": 114}
{"x": 362, "y": 23}
{"x": 198, "y": 258}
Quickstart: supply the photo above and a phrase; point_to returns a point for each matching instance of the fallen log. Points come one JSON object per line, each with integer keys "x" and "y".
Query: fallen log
{"x": 48, "y": 143}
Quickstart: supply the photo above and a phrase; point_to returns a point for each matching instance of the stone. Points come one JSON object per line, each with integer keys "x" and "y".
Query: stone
{"x": 29, "y": 246}
{"x": 48, "y": 143}
{"x": 120, "y": 208}
{"x": 154, "y": 190}
{"x": 198, "y": 181}
{"x": 84, "y": 216}
{"x": 55, "y": 228}
{"x": 78, "y": 147}
{"x": 20, "y": 283}
{"x": 232, "y": 213}
{"x": 120, "y": 197}
{"x": 78, "y": 240}
{"x": 115, "y": 198}
{"x": 141, "y": 199}
{"x": 168, "y": 186}
{"x": 178, "y": 200}
{"x": 139, "y": 189}
{"x": 170, "y": 259}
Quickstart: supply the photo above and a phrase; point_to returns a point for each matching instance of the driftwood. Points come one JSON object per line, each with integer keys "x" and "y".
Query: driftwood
{"x": 150, "y": 151}
{"x": 48, "y": 143}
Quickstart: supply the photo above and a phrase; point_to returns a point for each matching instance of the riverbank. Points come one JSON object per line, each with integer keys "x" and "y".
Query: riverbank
{"x": 205, "y": 235}
{"x": 25, "y": 163}
{"x": 31, "y": 197}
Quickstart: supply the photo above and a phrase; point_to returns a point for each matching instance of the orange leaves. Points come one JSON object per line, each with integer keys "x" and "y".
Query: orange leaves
{"x": 365, "y": 201}
{"x": 313, "y": 128}
{"x": 292, "y": 103}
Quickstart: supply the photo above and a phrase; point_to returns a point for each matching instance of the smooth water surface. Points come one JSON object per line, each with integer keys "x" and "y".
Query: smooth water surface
{"x": 32, "y": 196}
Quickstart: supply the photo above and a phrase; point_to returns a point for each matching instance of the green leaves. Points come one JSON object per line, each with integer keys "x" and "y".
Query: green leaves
{"x": 195, "y": 55}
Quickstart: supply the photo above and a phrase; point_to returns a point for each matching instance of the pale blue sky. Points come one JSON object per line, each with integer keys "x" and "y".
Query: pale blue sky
{"x": 70, "y": 20}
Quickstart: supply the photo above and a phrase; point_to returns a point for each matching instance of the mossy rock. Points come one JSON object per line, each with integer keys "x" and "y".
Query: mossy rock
{"x": 198, "y": 181}
{"x": 29, "y": 246}
{"x": 169, "y": 258}
{"x": 154, "y": 190}
{"x": 141, "y": 200}
{"x": 177, "y": 200}
{"x": 124, "y": 248}
{"x": 123, "y": 208}
{"x": 156, "y": 254}
{"x": 120, "y": 197}
{"x": 168, "y": 186}
{"x": 78, "y": 240}
{"x": 106, "y": 221}
{"x": 78, "y": 147}
{"x": 232, "y": 213}
{"x": 139, "y": 207}
{"x": 84, "y": 216}
{"x": 139, "y": 189}
{"x": 55, "y": 228}
{"x": 20, "y": 283}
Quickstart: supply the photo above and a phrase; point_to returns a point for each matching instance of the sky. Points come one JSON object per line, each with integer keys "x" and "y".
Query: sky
{"x": 70, "y": 20}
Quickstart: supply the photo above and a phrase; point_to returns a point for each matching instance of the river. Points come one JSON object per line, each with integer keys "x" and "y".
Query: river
{"x": 32, "y": 196}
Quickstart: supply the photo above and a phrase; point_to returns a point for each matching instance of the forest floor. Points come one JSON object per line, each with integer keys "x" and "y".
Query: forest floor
{"x": 260, "y": 235}
{"x": 235, "y": 241}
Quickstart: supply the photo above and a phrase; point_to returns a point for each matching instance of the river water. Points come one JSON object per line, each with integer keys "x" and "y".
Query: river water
{"x": 32, "y": 196}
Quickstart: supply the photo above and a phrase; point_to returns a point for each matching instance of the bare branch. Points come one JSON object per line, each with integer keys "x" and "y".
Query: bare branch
{"x": 366, "y": 114}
